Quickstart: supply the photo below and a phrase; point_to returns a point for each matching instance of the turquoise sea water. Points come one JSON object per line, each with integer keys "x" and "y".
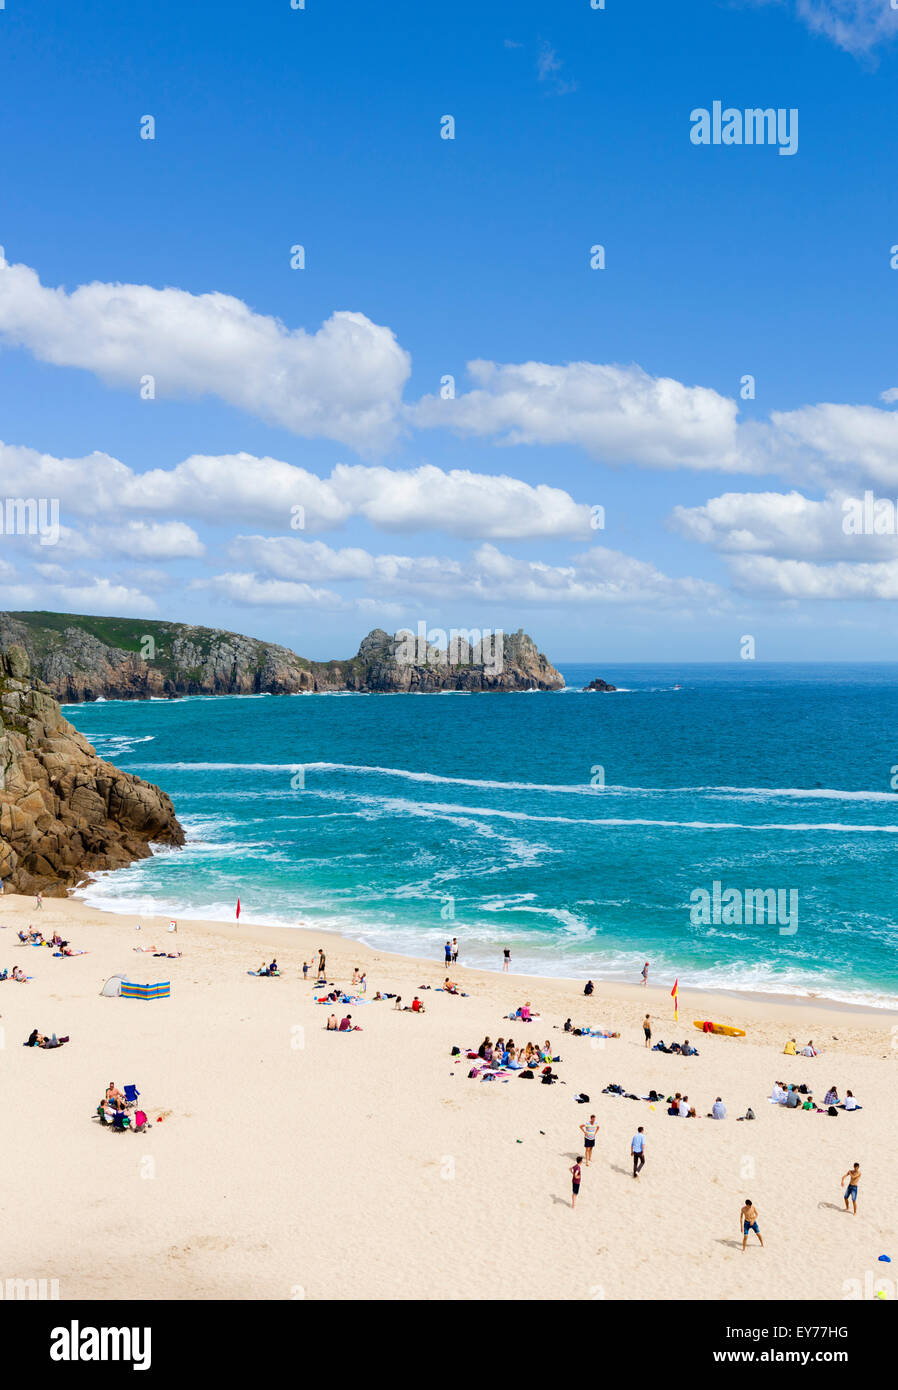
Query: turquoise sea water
{"x": 418, "y": 817}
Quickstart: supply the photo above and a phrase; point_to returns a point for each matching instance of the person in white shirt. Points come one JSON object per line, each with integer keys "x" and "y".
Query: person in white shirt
{"x": 850, "y": 1102}
{"x": 779, "y": 1095}
{"x": 684, "y": 1106}
{"x": 719, "y": 1110}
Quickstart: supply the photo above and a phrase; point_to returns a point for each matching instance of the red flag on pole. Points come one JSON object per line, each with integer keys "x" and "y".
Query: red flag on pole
{"x": 673, "y": 993}
{"x": 238, "y": 909}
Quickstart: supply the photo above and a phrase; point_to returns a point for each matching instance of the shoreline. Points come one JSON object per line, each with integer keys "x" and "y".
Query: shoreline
{"x": 722, "y": 992}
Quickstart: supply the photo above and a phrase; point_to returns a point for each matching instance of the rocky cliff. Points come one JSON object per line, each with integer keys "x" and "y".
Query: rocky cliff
{"x": 86, "y": 658}
{"x": 410, "y": 663}
{"x": 64, "y": 813}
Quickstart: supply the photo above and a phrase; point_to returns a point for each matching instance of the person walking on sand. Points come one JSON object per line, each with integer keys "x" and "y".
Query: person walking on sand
{"x": 637, "y": 1149}
{"x": 506, "y": 959}
{"x": 454, "y": 949}
{"x": 647, "y": 1030}
{"x": 589, "y": 1131}
{"x": 575, "y": 1180}
{"x": 853, "y": 1177}
{"x": 645, "y": 974}
{"x": 749, "y": 1218}
{"x": 39, "y": 901}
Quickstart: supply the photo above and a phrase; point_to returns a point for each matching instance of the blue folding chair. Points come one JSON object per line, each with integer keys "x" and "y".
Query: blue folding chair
{"x": 131, "y": 1094}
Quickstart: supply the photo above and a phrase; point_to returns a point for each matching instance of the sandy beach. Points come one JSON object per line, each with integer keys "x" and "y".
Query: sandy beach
{"x": 291, "y": 1162}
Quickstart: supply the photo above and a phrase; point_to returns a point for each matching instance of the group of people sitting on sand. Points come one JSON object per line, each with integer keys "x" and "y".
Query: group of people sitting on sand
{"x": 504, "y": 1054}
{"x": 270, "y": 969}
{"x": 117, "y": 1110}
{"x": 415, "y": 1007}
{"x": 337, "y": 996}
{"x": 37, "y": 1039}
{"x": 809, "y": 1050}
{"x": 801, "y": 1098}
{"x": 34, "y": 937}
{"x": 345, "y": 1025}
{"x": 14, "y": 974}
{"x": 679, "y": 1105}
{"x": 683, "y": 1049}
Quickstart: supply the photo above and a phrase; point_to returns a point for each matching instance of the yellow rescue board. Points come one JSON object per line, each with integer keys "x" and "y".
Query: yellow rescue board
{"x": 720, "y": 1028}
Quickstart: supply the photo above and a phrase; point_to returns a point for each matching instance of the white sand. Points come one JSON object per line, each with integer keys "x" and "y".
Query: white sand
{"x": 292, "y": 1162}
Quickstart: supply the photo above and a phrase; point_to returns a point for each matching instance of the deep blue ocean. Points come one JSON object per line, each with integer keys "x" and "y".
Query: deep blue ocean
{"x": 574, "y": 828}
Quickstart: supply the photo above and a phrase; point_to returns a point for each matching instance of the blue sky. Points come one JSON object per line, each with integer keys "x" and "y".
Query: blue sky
{"x": 619, "y": 388}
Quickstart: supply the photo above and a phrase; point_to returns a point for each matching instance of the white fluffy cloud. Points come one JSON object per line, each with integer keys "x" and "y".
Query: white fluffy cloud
{"x": 343, "y": 382}
{"x": 242, "y": 487}
{"x": 249, "y": 590}
{"x": 624, "y": 415}
{"x": 105, "y": 597}
{"x": 459, "y": 503}
{"x": 831, "y": 443}
{"x": 616, "y": 413}
{"x": 488, "y": 574}
{"x": 785, "y": 545}
{"x": 787, "y": 525}
{"x": 800, "y": 579}
{"x": 148, "y": 540}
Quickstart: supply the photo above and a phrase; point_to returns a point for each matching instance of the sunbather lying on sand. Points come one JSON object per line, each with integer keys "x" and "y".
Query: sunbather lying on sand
{"x": 38, "y": 1040}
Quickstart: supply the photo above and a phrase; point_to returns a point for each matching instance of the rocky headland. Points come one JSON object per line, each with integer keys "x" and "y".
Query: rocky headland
{"x": 64, "y": 812}
{"x": 88, "y": 658}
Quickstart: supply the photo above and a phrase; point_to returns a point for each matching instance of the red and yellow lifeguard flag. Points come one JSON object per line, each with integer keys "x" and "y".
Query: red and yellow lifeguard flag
{"x": 673, "y": 993}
